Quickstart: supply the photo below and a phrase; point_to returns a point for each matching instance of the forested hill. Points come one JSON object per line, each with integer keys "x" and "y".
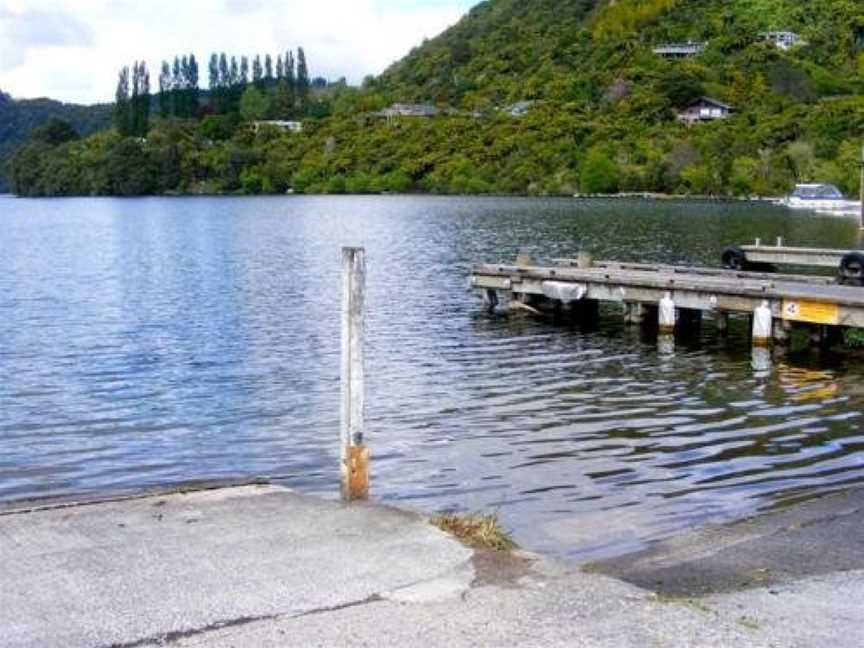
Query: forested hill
{"x": 500, "y": 50}
{"x": 540, "y": 97}
{"x": 18, "y": 118}
{"x": 574, "y": 50}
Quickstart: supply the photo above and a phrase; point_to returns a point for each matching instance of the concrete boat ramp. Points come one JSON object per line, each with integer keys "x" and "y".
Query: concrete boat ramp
{"x": 262, "y": 566}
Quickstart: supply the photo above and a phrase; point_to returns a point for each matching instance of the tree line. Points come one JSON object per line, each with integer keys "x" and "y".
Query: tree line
{"x": 178, "y": 88}
{"x": 279, "y": 88}
{"x": 285, "y": 81}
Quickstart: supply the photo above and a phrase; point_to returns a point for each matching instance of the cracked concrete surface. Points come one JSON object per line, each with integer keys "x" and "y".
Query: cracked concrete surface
{"x": 142, "y": 571}
{"x": 261, "y": 566}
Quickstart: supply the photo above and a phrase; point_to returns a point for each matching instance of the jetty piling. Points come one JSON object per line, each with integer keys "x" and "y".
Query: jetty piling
{"x": 763, "y": 325}
{"x": 667, "y": 314}
{"x": 723, "y": 323}
{"x": 354, "y": 454}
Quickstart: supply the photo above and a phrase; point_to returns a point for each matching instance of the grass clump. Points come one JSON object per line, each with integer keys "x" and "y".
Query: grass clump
{"x": 483, "y": 531}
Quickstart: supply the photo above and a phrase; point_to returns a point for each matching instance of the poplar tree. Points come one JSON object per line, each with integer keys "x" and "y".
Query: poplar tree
{"x": 213, "y": 69}
{"x": 224, "y": 71}
{"x": 221, "y": 96}
{"x": 122, "y": 112}
{"x": 143, "y": 100}
{"x": 165, "y": 88}
{"x": 177, "y": 86}
{"x": 193, "y": 82}
{"x": 235, "y": 71}
{"x": 244, "y": 70}
{"x": 302, "y": 78}
{"x": 138, "y": 120}
{"x": 290, "y": 75}
{"x": 134, "y": 107}
{"x": 268, "y": 69}
{"x": 280, "y": 68}
{"x": 257, "y": 70}
{"x": 215, "y": 92}
{"x": 289, "y": 101}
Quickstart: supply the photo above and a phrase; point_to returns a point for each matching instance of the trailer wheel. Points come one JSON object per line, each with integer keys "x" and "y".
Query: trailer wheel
{"x": 852, "y": 269}
{"x": 735, "y": 259}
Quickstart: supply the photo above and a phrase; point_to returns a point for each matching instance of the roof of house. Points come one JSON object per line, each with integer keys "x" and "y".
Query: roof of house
{"x": 427, "y": 109}
{"x": 711, "y": 102}
{"x": 279, "y": 122}
{"x": 674, "y": 48}
{"x": 519, "y": 106}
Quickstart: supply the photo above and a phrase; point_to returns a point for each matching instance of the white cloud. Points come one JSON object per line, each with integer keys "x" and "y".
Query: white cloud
{"x": 23, "y": 30}
{"x": 72, "y": 49}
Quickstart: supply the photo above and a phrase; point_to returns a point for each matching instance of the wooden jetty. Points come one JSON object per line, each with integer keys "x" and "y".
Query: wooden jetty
{"x": 579, "y": 285}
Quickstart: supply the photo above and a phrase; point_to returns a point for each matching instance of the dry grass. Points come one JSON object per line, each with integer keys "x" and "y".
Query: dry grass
{"x": 476, "y": 531}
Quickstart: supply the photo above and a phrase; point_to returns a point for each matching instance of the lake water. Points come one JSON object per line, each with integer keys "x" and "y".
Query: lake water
{"x": 155, "y": 342}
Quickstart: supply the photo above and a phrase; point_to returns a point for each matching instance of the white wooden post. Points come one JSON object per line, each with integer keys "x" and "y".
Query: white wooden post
{"x": 355, "y": 456}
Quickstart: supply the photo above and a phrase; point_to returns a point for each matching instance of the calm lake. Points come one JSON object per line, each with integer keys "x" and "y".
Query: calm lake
{"x": 161, "y": 341}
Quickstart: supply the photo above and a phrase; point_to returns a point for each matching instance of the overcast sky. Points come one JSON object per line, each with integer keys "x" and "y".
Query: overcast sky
{"x": 71, "y": 49}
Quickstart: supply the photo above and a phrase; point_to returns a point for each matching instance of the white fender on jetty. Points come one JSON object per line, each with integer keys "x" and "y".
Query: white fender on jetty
{"x": 763, "y": 321}
{"x": 667, "y": 314}
{"x": 761, "y": 361}
{"x": 563, "y": 291}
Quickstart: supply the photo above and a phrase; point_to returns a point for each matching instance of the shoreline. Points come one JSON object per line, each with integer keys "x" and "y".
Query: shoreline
{"x": 646, "y": 196}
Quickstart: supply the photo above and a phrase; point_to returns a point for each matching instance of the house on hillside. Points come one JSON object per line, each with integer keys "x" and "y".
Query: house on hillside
{"x": 410, "y": 110}
{"x": 704, "y": 109}
{"x": 784, "y": 40}
{"x": 286, "y": 126}
{"x": 680, "y": 50}
{"x": 519, "y": 109}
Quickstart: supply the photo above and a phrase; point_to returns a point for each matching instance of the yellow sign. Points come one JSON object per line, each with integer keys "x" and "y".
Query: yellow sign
{"x": 813, "y": 312}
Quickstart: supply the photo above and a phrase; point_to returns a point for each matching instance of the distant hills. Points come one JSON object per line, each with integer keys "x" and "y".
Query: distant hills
{"x": 19, "y": 117}
{"x": 713, "y": 97}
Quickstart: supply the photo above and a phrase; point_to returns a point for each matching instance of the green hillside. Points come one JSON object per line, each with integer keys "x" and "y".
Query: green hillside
{"x": 573, "y": 51}
{"x": 18, "y": 118}
{"x": 600, "y": 117}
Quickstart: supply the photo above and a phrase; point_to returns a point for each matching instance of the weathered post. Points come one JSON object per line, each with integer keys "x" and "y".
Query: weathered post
{"x": 355, "y": 456}
{"x": 634, "y": 313}
{"x": 723, "y": 323}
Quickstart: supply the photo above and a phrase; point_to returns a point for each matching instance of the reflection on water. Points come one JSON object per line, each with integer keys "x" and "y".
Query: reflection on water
{"x": 152, "y": 342}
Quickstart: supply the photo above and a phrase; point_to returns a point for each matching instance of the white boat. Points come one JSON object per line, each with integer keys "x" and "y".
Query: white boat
{"x": 825, "y": 198}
